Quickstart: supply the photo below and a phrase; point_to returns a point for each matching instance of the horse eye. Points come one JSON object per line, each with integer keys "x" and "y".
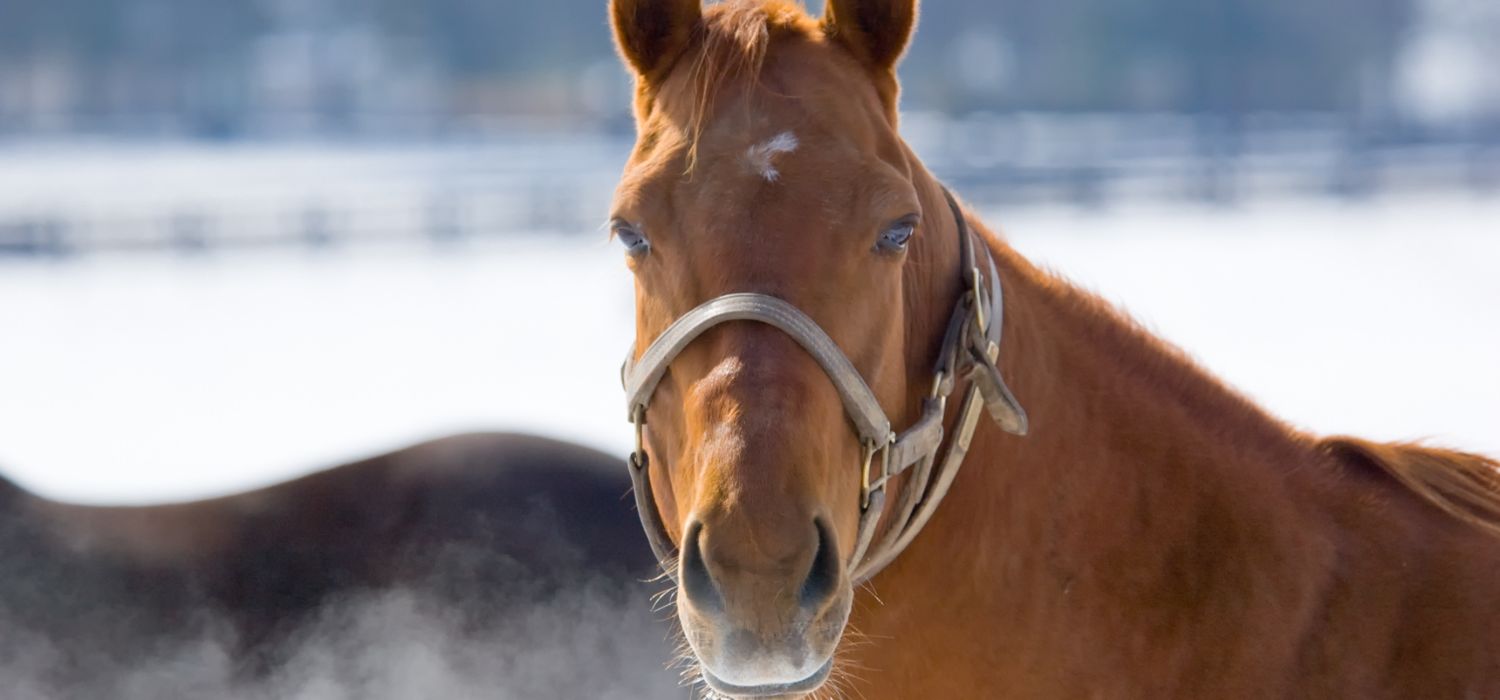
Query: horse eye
{"x": 893, "y": 239}
{"x": 629, "y": 236}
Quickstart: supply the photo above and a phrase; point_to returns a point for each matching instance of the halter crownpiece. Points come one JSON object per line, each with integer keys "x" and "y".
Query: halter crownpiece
{"x": 970, "y": 348}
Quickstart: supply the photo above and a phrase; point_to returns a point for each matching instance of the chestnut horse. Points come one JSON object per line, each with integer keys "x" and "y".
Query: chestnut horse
{"x": 504, "y": 535}
{"x": 1152, "y": 534}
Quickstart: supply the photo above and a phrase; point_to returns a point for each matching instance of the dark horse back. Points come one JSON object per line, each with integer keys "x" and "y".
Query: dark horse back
{"x": 516, "y": 562}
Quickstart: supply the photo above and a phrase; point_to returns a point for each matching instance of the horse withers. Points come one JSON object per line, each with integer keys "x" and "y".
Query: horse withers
{"x": 824, "y": 336}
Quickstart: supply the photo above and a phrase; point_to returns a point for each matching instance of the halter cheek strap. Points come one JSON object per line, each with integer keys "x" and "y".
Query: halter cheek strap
{"x": 970, "y": 347}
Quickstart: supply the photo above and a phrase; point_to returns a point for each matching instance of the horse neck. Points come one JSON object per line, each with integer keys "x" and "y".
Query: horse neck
{"x": 1139, "y": 468}
{"x": 1093, "y": 380}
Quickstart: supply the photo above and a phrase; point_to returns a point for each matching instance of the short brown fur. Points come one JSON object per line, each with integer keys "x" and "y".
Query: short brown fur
{"x": 1156, "y": 535}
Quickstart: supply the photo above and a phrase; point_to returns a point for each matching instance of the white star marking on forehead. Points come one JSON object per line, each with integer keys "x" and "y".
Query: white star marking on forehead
{"x": 762, "y": 156}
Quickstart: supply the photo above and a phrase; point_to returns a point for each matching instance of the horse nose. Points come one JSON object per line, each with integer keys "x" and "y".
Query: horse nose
{"x": 697, "y": 583}
{"x": 710, "y": 568}
{"x": 823, "y": 576}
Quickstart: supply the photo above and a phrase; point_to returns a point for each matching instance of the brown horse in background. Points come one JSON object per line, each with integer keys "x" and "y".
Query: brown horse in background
{"x": 494, "y": 535}
{"x": 1156, "y": 534}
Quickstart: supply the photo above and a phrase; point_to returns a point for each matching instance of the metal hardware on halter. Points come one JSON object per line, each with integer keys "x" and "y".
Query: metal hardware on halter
{"x": 640, "y": 481}
{"x": 638, "y": 458}
{"x": 969, "y": 349}
{"x": 940, "y": 385}
{"x": 977, "y": 287}
{"x": 866, "y": 486}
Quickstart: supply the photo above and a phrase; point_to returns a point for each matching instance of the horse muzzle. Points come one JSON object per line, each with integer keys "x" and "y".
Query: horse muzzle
{"x": 793, "y": 689}
{"x": 739, "y": 664}
{"x": 765, "y": 632}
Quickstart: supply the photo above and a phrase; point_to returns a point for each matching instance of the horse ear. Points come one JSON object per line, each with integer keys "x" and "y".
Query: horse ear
{"x": 876, "y": 31}
{"x": 652, "y": 34}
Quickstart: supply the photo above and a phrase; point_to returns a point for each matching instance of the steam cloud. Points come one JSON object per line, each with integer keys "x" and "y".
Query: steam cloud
{"x": 595, "y": 641}
{"x": 481, "y": 566}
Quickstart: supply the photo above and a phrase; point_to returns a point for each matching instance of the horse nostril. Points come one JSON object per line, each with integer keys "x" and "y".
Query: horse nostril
{"x": 823, "y": 578}
{"x": 697, "y": 584}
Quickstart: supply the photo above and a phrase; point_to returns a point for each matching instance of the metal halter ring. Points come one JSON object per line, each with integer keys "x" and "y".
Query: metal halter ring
{"x": 638, "y": 457}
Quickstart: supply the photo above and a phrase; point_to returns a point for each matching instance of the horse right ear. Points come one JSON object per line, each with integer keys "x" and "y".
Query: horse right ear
{"x": 652, "y": 34}
{"x": 875, "y": 31}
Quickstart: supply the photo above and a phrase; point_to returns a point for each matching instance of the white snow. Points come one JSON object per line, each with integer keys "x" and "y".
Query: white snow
{"x": 137, "y": 378}
{"x": 151, "y": 378}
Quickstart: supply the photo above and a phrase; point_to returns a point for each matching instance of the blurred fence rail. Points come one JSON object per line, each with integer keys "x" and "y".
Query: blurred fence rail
{"x": 77, "y": 199}
{"x": 1092, "y": 160}
{"x": 74, "y": 199}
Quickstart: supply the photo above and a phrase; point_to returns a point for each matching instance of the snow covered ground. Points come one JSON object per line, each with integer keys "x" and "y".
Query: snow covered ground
{"x": 148, "y": 377}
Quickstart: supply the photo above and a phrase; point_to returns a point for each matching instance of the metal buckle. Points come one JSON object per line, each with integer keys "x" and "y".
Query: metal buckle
{"x": 638, "y": 458}
{"x": 866, "y": 486}
{"x": 938, "y": 380}
{"x": 977, "y": 283}
{"x": 942, "y": 386}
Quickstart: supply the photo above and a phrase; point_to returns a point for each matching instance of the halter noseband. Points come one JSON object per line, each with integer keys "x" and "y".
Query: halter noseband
{"x": 970, "y": 348}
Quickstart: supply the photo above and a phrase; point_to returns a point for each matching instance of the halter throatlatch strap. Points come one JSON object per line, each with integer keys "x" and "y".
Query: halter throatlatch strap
{"x": 970, "y": 348}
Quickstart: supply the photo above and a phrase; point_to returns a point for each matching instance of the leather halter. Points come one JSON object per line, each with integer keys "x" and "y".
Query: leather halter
{"x": 970, "y": 348}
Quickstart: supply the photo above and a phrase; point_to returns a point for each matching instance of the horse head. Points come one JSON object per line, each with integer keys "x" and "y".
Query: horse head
{"x": 769, "y": 178}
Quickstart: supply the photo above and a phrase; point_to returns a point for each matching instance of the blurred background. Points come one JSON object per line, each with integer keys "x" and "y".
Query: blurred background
{"x": 245, "y": 239}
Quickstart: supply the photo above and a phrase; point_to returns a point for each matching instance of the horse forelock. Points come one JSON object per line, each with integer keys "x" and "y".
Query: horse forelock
{"x": 730, "y": 52}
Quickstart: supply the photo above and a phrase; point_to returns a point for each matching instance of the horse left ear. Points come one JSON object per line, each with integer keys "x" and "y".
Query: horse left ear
{"x": 651, "y": 34}
{"x": 876, "y": 31}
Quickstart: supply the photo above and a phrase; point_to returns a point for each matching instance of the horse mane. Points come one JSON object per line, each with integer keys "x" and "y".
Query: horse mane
{"x": 1150, "y": 361}
{"x": 731, "y": 43}
{"x": 1464, "y": 485}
